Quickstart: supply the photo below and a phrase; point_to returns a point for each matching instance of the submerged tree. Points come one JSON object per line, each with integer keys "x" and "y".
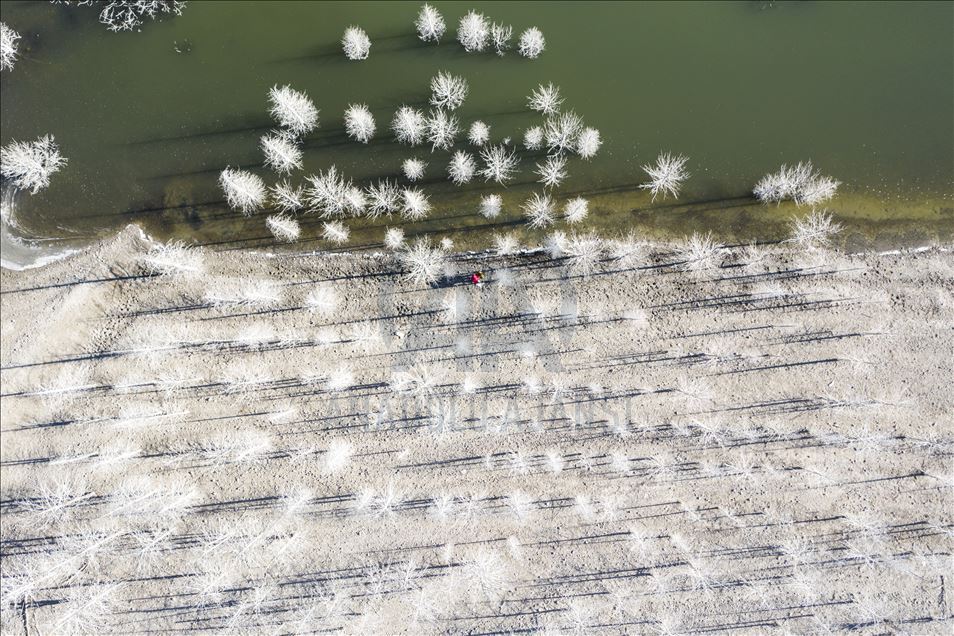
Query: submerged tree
{"x": 281, "y": 153}
{"x": 413, "y": 168}
{"x": 29, "y": 164}
{"x": 561, "y": 131}
{"x": 800, "y": 183}
{"x": 553, "y": 171}
{"x": 545, "y": 99}
{"x": 442, "y": 129}
{"x": 479, "y": 133}
{"x": 531, "y": 43}
{"x": 499, "y": 163}
{"x": 414, "y": 204}
{"x": 533, "y": 138}
{"x": 473, "y": 32}
{"x": 461, "y": 168}
{"x": 409, "y": 125}
{"x": 283, "y": 227}
{"x": 293, "y": 110}
{"x": 575, "y": 210}
{"x": 359, "y": 122}
{"x": 588, "y": 143}
{"x": 243, "y": 190}
{"x": 448, "y": 91}
{"x": 356, "y": 43}
{"x": 286, "y": 197}
{"x": 667, "y": 175}
{"x": 490, "y": 206}
{"x": 8, "y": 47}
{"x": 430, "y": 24}
{"x": 126, "y": 15}
{"x": 500, "y": 34}
{"x": 539, "y": 210}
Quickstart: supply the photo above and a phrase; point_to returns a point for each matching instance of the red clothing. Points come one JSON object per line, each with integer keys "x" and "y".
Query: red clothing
{"x": 475, "y": 279}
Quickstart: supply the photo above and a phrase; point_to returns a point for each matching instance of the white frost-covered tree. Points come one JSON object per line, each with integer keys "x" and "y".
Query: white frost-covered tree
{"x": 479, "y": 133}
{"x": 499, "y": 163}
{"x": 327, "y": 192}
{"x": 531, "y": 43}
{"x": 533, "y": 138}
{"x": 414, "y": 204}
{"x": 29, "y": 164}
{"x": 384, "y": 197}
{"x": 575, "y": 210}
{"x": 409, "y": 125}
{"x": 800, "y": 183}
{"x": 394, "y": 238}
{"x": 8, "y": 47}
{"x": 473, "y": 31}
{"x": 413, "y": 168}
{"x": 814, "y": 230}
{"x": 243, "y": 190}
{"x": 126, "y": 15}
{"x": 430, "y": 24}
{"x": 545, "y": 99}
{"x": 356, "y": 43}
{"x": 293, "y": 110}
{"x": 335, "y": 232}
{"x": 552, "y": 172}
{"x": 281, "y": 153}
{"x": 461, "y": 168}
{"x": 588, "y": 143}
{"x": 286, "y": 197}
{"x": 283, "y": 227}
{"x": 359, "y": 122}
{"x": 561, "y": 131}
{"x": 539, "y": 210}
{"x": 666, "y": 175}
{"x": 424, "y": 264}
{"x": 500, "y": 35}
{"x": 490, "y": 205}
{"x": 448, "y": 91}
{"x": 442, "y": 129}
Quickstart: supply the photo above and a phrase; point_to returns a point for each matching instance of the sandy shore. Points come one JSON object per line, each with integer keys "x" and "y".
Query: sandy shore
{"x": 761, "y": 446}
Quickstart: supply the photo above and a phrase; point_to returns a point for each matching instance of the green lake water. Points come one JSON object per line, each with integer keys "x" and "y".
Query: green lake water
{"x": 864, "y": 90}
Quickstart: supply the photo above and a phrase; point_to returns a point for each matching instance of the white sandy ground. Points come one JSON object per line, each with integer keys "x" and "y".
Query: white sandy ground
{"x": 761, "y": 447}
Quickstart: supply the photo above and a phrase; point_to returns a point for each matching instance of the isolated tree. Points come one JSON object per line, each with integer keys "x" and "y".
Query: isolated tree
{"x": 800, "y": 183}
{"x": 698, "y": 251}
{"x": 394, "y": 238}
{"x": 666, "y": 175}
{"x": 359, "y": 122}
{"x": 8, "y": 47}
{"x": 531, "y": 43}
{"x": 174, "y": 259}
{"x": 335, "y": 232}
{"x": 533, "y": 138}
{"x": 29, "y": 165}
{"x": 448, "y": 91}
{"x": 430, "y": 24}
{"x": 292, "y": 109}
{"x": 356, "y": 43}
{"x": 473, "y": 31}
{"x": 243, "y": 190}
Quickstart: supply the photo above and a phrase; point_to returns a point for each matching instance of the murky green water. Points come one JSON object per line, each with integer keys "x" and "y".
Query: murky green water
{"x": 865, "y": 90}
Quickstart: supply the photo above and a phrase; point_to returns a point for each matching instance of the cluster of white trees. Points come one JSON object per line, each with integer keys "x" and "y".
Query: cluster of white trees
{"x": 128, "y": 15}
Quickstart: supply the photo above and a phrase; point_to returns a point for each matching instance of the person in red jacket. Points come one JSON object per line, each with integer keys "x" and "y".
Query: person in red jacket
{"x": 477, "y": 278}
